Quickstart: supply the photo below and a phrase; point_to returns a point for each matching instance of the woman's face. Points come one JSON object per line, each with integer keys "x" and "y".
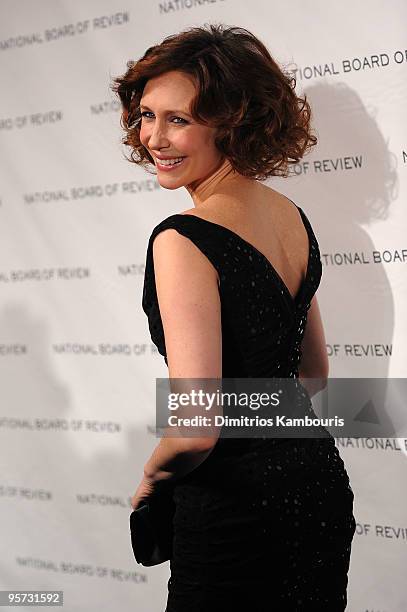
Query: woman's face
{"x": 168, "y": 132}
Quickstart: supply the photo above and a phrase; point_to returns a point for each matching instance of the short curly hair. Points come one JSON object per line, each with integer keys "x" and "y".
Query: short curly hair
{"x": 263, "y": 126}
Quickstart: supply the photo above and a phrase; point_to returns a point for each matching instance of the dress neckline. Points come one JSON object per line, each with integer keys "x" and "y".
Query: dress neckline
{"x": 293, "y": 300}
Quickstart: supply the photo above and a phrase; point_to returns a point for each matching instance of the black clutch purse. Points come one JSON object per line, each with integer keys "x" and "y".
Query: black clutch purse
{"x": 151, "y": 529}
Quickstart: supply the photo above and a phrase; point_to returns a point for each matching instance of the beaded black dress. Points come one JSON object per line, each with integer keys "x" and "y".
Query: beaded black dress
{"x": 262, "y": 525}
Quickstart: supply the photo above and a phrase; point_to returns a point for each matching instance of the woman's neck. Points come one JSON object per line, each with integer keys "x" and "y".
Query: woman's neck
{"x": 224, "y": 180}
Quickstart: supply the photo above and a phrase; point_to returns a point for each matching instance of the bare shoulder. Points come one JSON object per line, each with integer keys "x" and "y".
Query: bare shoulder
{"x": 202, "y": 214}
{"x": 190, "y": 211}
{"x": 262, "y": 217}
{"x": 263, "y": 199}
{"x": 279, "y": 202}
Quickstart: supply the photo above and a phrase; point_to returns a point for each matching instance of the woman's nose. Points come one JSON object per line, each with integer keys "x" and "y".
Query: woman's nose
{"x": 158, "y": 137}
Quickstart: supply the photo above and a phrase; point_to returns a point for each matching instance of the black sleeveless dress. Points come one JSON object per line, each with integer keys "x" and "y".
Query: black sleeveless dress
{"x": 262, "y": 525}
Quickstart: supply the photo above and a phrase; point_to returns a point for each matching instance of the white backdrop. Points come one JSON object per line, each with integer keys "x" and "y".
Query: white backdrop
{"x": 77, "y": 366}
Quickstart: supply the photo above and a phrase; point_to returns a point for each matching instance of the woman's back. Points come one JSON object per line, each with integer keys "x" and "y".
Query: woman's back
{"x": 267, "y": 220}
{"x": 267, "y": 261}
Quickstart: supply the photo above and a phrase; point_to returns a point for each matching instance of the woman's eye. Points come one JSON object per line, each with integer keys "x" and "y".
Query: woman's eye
{"x": 181, "y": 120}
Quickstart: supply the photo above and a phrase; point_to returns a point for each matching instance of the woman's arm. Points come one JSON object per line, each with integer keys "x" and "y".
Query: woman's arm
{"x": 314, "y": 364}
{"x": 189, "y": 302}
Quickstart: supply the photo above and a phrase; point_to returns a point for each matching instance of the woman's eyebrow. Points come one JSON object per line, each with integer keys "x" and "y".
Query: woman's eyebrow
{"x": 168, "y": 111}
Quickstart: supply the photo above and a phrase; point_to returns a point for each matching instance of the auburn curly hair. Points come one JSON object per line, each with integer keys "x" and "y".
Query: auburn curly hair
{"x": 263, "y": 126}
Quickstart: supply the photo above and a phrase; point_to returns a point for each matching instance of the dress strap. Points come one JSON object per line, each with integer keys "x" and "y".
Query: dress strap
{"x": 306, "y": 223}
{"x": 206, "y": 241}
{"x": 314, "y": 251}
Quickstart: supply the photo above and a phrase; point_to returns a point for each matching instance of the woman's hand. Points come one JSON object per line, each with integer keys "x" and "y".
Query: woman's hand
{"x": 144, "y": 490}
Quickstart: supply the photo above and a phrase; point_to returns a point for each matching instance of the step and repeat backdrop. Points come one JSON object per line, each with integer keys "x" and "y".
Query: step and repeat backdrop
{"x": 77, "y": 365}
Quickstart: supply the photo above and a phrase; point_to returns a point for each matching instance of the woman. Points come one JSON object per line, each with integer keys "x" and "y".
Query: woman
{"x": 229, "y": 291}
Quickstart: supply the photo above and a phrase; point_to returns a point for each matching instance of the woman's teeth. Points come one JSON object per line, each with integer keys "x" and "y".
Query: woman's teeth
{"x": 169, "y": 162}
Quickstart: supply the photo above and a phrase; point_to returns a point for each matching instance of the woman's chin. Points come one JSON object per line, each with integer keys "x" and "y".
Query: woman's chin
{"x": 167, "y": 183}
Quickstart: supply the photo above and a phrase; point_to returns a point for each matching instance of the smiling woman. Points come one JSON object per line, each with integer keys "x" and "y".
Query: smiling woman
{"x": 260, "y": 523}
{"x": 182, "y": 149}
